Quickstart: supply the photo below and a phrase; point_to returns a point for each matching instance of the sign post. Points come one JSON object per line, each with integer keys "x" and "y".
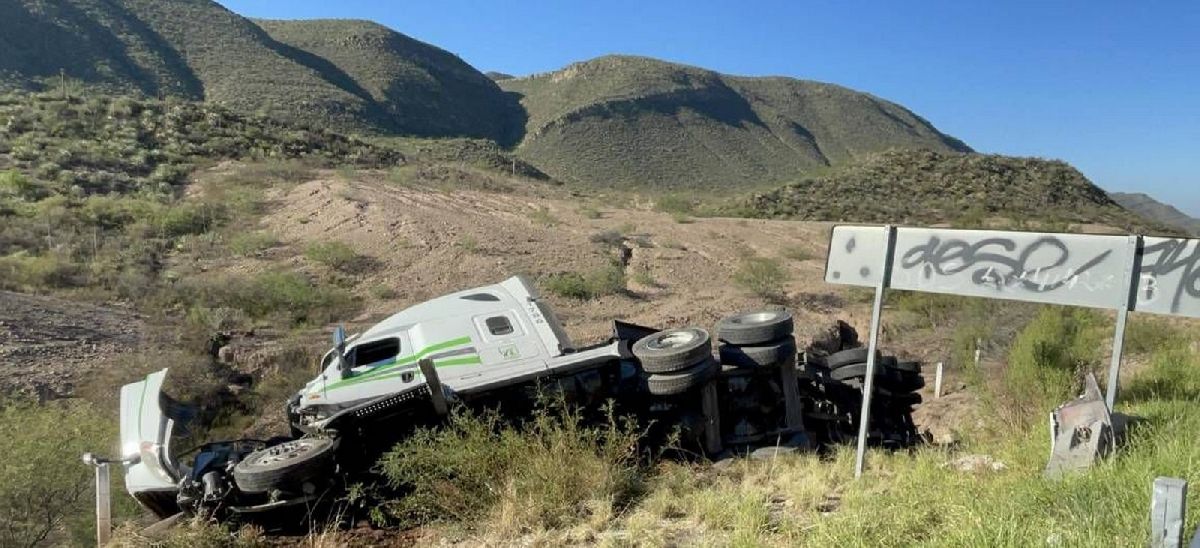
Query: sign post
{"x": 864, "y": 417}
{"x": 1120, "y": 273}
{"x": 1118, "y": 346}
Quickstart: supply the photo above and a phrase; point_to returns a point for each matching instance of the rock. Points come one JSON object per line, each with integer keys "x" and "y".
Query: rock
{"x": 768, "y": 453}
{"x": 225, "y": 355}
{"x": 828, "y": 338}
{"x": 976, "y": 463}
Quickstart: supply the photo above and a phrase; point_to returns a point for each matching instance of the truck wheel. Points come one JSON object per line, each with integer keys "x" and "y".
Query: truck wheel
{"x": 673, "y": 350}
{"x": 288, "y": 464}
{"x": 853, "y": 356}
{"x": 755, "y": 327}
{"x": 683, "y": 381}
{"x": 856, "y": 371}
{"x": 776, "y": 353}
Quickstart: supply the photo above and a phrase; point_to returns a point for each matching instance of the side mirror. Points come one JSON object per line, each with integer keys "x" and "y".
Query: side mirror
{"x": 339, "y": 350}
{"x": 339, "y": 338}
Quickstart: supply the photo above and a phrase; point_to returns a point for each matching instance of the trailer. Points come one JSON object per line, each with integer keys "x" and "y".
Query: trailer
{"x": 502, "y": 347}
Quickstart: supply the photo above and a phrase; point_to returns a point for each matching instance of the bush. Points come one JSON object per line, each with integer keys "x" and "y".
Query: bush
{"x": 1174, "y": 374}
{"x": 548, "y": 472}
{"x": 286, "y": 296}
{"x": 762, "y": 276}
{"x": 609, "y": 280}
{"x": 250, "y": 243}
{"x": 542, "y": 216}
{"x": 674, "y": 204}
{"x": 45, "y": 490}
{"x": 1050, "y": 355}
{"x": 335, "y": 255}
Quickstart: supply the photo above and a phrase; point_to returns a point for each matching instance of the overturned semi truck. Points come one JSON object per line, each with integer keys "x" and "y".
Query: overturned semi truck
{"x": 502, "y": 347}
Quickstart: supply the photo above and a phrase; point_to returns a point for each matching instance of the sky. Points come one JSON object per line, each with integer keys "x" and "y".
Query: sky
{"x": 1111, "y": 87}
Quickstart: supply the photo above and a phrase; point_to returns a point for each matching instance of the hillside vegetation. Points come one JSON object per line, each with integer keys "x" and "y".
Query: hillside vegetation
{"x": 1150, "y": 208}
{"x": 373, "y": 80}
{"x": 627, "y": 121}
{"x": 924, "y": 187}
{"x": 91, "y": 190}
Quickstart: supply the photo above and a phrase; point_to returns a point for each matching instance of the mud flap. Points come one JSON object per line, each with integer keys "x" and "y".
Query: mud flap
{"x": 1081, "y": 432}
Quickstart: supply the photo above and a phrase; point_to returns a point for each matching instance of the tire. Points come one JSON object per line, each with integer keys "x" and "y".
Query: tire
{"x": 673, "y": 349}
{"x": 285, "y": 465}
{"x": 853, "y": 356}
{"x": 856, "y": 371}
{"x": 776, "y": 353}
{"x": 755, "y": 327}
{"x": 908, "y": 367}
{"x": 683, "y": 381}
{"x": 905, "y": 383}
{"x": 903, "y": 400}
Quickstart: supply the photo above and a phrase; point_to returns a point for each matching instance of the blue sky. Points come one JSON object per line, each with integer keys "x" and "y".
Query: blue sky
{"x": 1111, "y": 87}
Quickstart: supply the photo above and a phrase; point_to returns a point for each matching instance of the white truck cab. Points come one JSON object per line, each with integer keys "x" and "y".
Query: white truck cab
{"x": 477, "y": 339}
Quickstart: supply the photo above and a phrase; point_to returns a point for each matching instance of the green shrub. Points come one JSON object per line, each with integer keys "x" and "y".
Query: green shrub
{"x": 186, "y": 218}
{"x": 609, "y": 280}
{"x": 675, "y": 204}
{"x": 550, "y": 471}
{"x": 1174, "y": 374}
{"x": 250, "y": 243}
{"x": 23, "y": 271}
{"x": 542, "y": 216}
{"x": 762, "y": 276}
{"x": 287, "y": 296}
{"x": 334, "y": 254}
{"x": 1050, "y": 355}
{"x": 469, "y": 243}
{"x": 45, "y": 491}
{"x": 1147, "y": 334}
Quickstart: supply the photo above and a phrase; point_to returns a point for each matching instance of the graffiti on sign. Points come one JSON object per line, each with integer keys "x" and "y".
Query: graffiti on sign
{"x": 1071, "y": 269}
{"x": 1169, "y": 277}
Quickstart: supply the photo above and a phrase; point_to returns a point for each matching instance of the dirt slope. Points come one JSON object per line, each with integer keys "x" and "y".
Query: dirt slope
{"x": 48, "y": 344}
{"x": 425, "y": 242}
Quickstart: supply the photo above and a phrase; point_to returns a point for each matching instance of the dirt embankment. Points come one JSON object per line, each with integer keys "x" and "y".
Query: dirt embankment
{"x": 48, "y": 344}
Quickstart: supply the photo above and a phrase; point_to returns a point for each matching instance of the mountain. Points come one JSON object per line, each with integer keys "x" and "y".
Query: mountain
{"x": 625, "y": 121}
{"x": 1150, "y": 208}
{"x": 348, "y": 75}
{"x": 923, "y": 187}
{"x": 423, "y": 90}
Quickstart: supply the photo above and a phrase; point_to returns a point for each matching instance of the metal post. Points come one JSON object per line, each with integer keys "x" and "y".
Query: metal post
{"x": 937, "y": 381}
{"x": 864, "y": 417}
{"x": 794, "y": 409}
{"x": 710, "y": 406}
{"x": 1168, "y": 508}
{"x": 103, "y": 505}
{"x": 1118, "y": 346}
{"x": 434, "y": 384}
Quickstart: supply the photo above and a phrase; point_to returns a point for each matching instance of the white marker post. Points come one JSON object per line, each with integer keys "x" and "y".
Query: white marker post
{"x": 864, "y": 417}
{"x": 937, "y": 382}
{"x": 103, "y": 497}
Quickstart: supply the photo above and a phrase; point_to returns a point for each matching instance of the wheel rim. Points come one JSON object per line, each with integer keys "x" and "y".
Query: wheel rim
{"x": 674, "y": 339}
{"x": 285, "y": 452}
{"x": 755, "y": 317}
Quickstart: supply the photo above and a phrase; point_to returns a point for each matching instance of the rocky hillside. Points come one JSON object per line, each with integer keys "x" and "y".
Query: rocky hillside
{"x": 345, "y": 74}
{"x": 1150, "y": 208}
{"x": 629, "y": 121}
{"x": 923, "y": 187}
